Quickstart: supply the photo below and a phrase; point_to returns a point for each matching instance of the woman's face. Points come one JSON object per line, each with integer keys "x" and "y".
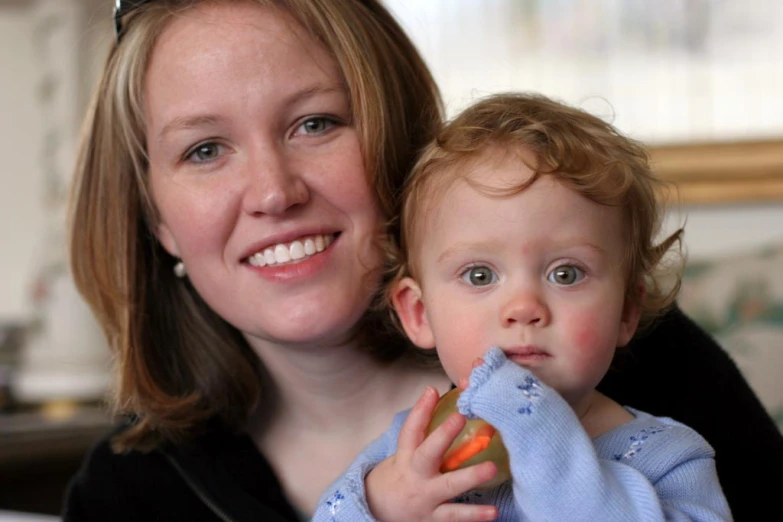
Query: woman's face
{"x": 257, "y": 173}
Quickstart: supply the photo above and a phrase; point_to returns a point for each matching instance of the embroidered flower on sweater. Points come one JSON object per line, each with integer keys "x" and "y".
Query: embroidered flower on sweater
{"x": 637, "y": 441}
{"x": 531, "y": 390}
{"x": 334, "y": 502}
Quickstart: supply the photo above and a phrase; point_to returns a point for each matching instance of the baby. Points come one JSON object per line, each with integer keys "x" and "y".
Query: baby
{"x": 528, "y": 257}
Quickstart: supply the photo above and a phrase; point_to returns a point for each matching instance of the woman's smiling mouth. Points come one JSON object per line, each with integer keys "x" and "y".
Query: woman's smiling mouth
{"x": 293, "y": 252}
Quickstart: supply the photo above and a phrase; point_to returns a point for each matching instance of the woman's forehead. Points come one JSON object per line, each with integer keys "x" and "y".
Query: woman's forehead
{"x": 231, "y": 58}
{"x": 237, "y": 27}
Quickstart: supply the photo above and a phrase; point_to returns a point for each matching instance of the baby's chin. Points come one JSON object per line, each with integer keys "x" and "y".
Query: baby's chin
{"x": 460, "y": 377}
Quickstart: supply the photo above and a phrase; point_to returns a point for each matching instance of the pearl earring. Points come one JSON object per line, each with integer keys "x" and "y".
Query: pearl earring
{"x": 179, "y": 270}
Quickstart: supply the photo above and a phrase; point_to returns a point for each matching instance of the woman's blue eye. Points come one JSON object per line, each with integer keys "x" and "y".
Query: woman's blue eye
{"x": 479, "y": 276}
{"x": 317, "y": 125}
{"x": 566, "y": 275}
{"x": 204, "y": 152}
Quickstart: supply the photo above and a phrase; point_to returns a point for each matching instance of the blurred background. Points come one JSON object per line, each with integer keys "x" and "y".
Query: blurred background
{"x": 699, "y": 80}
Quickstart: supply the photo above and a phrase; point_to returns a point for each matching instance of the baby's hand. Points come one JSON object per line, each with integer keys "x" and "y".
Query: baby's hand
{"x": 409, "y": 486}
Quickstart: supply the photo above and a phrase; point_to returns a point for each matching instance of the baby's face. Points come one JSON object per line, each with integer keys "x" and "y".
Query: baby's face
{"x": 537, "y": 274}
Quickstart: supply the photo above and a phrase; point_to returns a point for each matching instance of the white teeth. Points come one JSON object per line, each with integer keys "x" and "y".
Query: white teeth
{"x": 309, "y": 247}
{"x": 297, "y": 250}
{"x": 257, "y": 259}
{"x": 282, "y": 254}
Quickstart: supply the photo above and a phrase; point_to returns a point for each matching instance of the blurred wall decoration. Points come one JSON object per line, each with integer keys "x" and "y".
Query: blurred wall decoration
{"x": 63, "y": 356}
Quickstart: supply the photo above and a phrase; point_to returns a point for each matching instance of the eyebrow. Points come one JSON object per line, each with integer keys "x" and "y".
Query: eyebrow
{"x": 461, "y": 248}
{"x": 200, "y": 120}
{"x": 313, "y": 91}
{"x": 188, "y": 122}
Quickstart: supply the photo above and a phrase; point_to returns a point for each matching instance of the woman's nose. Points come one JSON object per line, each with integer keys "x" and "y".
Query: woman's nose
{"x": 527, "y": 308}
{"x": 275, "y": 185}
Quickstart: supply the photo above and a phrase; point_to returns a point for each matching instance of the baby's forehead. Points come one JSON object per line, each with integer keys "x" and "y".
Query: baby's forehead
{"x": 493, "y": 172}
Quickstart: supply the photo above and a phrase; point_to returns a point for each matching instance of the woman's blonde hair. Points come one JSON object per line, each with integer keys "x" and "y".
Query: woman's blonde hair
{"x": 178, "y": 363}
{"x": 582, "y": 151}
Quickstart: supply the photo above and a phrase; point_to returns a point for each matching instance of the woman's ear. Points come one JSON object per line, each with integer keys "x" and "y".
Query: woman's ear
{"x": 163, "y": 234}
{"x": 632, "y": 313}
{"x": 406, "y": 298}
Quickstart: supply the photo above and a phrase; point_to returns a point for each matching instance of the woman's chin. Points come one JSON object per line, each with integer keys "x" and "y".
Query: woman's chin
{"x": 317, "y": 332}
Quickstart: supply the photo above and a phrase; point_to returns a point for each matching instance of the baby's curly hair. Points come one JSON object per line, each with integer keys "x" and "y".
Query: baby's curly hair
{"x": 580, "y": 150}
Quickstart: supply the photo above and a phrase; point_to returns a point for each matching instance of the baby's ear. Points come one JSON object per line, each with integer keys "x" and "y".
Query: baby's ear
{"x": 632, "y": 312}
{"x": 406, "y": 298}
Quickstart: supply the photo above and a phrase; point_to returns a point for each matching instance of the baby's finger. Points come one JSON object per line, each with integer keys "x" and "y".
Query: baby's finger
{"x": 455, "y": 483}
{"x": 478, "y": 361}
{"x": 464, "y": 513}
{"x": 412, "y": 432}
{"x": 429, "y": 455}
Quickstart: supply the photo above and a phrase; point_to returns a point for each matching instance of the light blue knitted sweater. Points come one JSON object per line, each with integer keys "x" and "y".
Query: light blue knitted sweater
{"x": 648, "y": 469}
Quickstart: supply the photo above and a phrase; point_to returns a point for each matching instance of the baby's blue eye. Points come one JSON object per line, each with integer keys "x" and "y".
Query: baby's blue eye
{"x": 566, "y": 275}
{"x": 479, "y": 276}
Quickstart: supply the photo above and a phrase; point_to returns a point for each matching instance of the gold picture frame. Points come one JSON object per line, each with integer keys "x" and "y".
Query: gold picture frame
{"x": 722, "y": 172}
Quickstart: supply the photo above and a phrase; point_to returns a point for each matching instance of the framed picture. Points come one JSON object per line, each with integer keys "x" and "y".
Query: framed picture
{"x": 723, "y": 172}
{"x": 699, "y": 81}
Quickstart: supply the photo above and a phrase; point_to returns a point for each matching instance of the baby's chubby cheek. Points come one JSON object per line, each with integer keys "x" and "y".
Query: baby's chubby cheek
{"x": 585, "y": 337}
{"x": 458, "y": 350}
{"x": 590, "y": 341}
{"x": 581, "y": 353}
{"x": 588, "y": 331}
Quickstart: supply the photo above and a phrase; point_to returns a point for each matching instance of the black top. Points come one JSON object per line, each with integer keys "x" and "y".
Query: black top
{"x": 220, "y": 476}
{"x": 676, "y": 370}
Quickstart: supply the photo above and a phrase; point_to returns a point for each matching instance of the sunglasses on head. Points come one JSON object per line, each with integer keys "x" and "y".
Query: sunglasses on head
{"x": 122, "y": 8}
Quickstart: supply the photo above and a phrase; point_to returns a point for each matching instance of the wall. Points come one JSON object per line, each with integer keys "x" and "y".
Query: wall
{"x": 729, "y": 229}
{"x": 21, "y": 184}
{"x": 50, "y": 51}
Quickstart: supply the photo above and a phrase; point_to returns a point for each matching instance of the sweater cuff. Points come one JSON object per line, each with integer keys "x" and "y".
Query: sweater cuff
{"x": 500, "y": 390}
{"x": 493, "y": 359}
{"x": 347, "y": 502}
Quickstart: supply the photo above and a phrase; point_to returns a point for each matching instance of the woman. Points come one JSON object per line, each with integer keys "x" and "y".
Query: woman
{"x": 239, "y": 163}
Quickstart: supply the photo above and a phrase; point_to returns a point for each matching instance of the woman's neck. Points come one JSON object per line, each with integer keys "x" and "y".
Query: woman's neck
{"x": 338, "y": 389}
{"x": 329, "y": 403}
